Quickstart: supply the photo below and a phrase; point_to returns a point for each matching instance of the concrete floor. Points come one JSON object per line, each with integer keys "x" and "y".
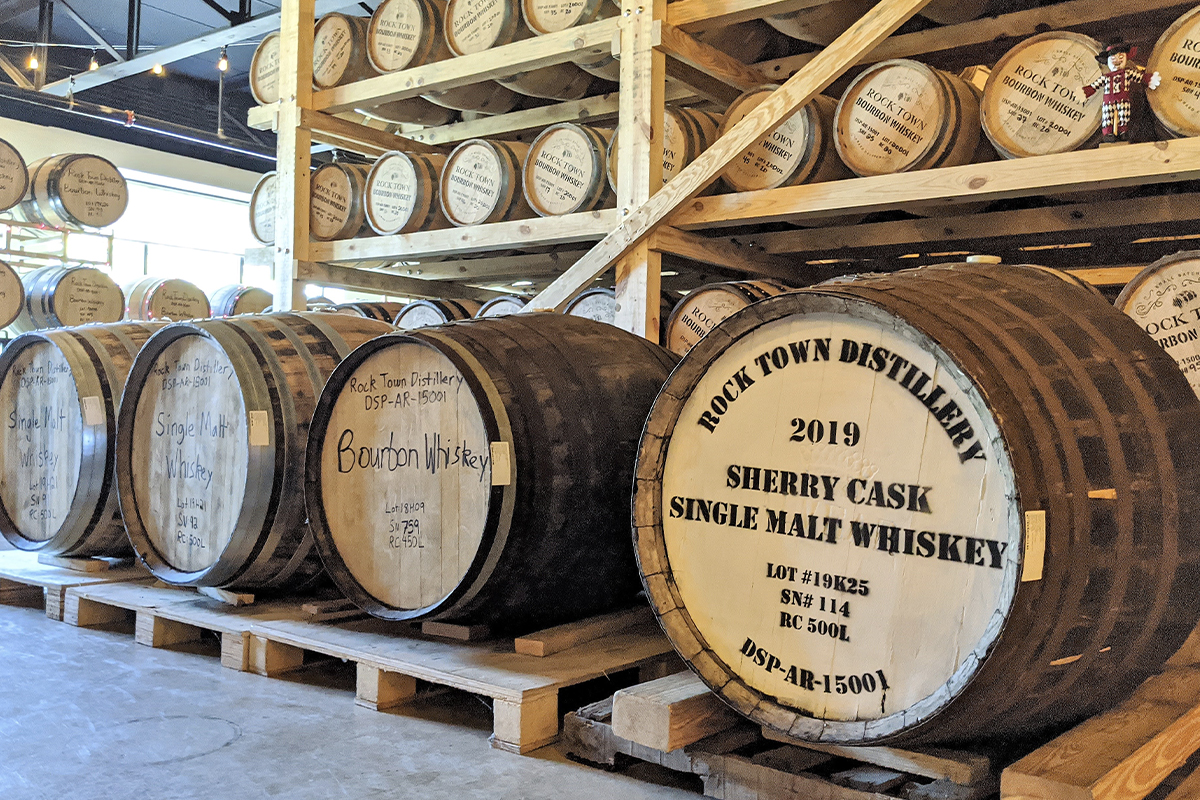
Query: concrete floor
{"x": 90, "y": 714}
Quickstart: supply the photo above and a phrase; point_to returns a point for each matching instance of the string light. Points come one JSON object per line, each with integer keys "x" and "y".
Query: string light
{"x": 33, "y": 61}
{"x": 223, "y": 61}
{"x": 157, "y": 69}
{"x": 93, "y": 65}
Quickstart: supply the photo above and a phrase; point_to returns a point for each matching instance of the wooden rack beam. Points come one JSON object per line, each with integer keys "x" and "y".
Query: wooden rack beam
{"x": 731, "y": 253}
{"x": 700, "y": 15}
{"x": 387, "y": 283}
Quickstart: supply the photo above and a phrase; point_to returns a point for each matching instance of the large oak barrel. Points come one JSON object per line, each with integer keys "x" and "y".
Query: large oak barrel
{"x": 953, "y": 12}
{"x": 704, "y": 308}
{"x": 902, "y": 116}
{"x": 401, "y": 194}
{"x": 262, "y": 209}
{"x": 238, "y": 298}
{"x": 410, "y": 110}
{"x": 59, "y": 391}
{"x": 12, "y": 295}
{"x": 801, "y": 150}
{"x": 501, "y": 306}
{"x": 384, "y": 312}
{"x": 687, "y": 132}
{"x": 340, "y": 51}
{"x": 74, "y": 191}
{"x": 600, "y": 305}
{"x": 336, "y": 201}
{"x": 169, "y": 299}
{"x": 210, "y": 445}
{"x": 1176, "y": 57}
{"x": 557, "y": 82}
{"x": 550, "y": 16}
{"x": 264, "y": 70}
{"x": 63, "y": 297}
{"x": 820, "y": 24}
{"x": 952, "y": 503}
{"x": 481, "y": 182}
{"x": 14, "y": 176}
{"x": 1033, "y": 102}
{"x": 424, "y": 313}
{"x": 1164, "y": 299}
{"x": 566, "y": 170}
{"x": 474, "y": 472}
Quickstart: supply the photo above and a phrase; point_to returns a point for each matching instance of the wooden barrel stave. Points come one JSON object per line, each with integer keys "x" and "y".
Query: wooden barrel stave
{"x": 168, "y": 299}
{"x": 410, "y": 111}
{"x": 14, "y": 176}
{"x": 424, "y": 313}
{"x": 62, "y": 297}
{"x": 83, "y": 496}
{"x": 1086, "y": 383}
{"x": 74, "y": 191}
{"x": 564, "y": 81}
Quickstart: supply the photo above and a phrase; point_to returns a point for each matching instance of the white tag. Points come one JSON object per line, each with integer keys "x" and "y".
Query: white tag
{"x": 501, "y": 464}
{"x": 1035, "y": 546}
{"x": 260, "y": 434}
{"x": 93, "y": 411}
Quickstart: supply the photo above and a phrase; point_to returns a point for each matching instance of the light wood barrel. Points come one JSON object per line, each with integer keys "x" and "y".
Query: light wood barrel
{"x": 340, "y": 51}
{"x": 1176, "y": 57}
{"x": 487, "y": 97}
{"x": 74, "y": 191}
{"x": 63, "y": 297}
{"x": 801, "y": 150}
{"x": 550, "y": 16}
{"x": 424, "y": 313}
{"x": 410, "y": 111}
{"x": 336, "y": 201}
{"x": 501, "y": 306}
{"x": 704, "y": 308}
{"x": 977, "y": 483}
{"x": 210, "y": 446}
{"x": 14, "y": 176}
{"x": 820, "y": 24}
{"x": 902, "y": 116}
{"x": 1033, "y": 102}
{"x": 481, "y": 182}
{"x": 473, "y": 26}
{"x": 12, "y": 295}
{"x": 485, "y": 470}
{"x": 169, "y": 299}
{"x": 687, "y": 132}
{"x": 384, "y": 312}
{"x": 262, "y": 209}
{"x": 1164, "y": 300}
{"x": 557, "y": 82}
{"x": 401, "y": 194}
{"x": 60, "y": 391}
{"x": 566, "y": 170}
{"x": 264, "y": 71}
{"x": 238, "y": 298}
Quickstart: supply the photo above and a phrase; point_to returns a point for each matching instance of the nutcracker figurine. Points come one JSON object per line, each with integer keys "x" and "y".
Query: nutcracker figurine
{"x": 1118, "y": 75}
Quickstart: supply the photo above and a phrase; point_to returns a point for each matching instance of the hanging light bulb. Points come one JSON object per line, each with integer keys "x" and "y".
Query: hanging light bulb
{"x": 33, "y": 60}
{"x": 93, "y": 65}
{"x": 223, "y": 61}
{"x": 157, "y": 69}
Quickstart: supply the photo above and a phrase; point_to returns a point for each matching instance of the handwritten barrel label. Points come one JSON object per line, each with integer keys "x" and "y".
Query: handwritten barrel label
{"x": 1165, "y": 301}
{"x": 175, "y": 299}
{"x": 772, "y": 159}
{"x": 262, "y": 209}
{"x": 92, "y": 191}
{"x": 14, "y": 177}
{"x": 333, "y": 44}
{"x": 1176, "y": 57}
{"x": 563, "y": 173}
{"x": 471, "y": 184}
{"x": 42, "y": 442}
{"x": 392, "y": 192}
{"x": 264, "y": 71}
{"x": 548, "y": 16}
{"x": 12, "y": 295}
{"x": 88, "y": 295}
{"x": 191, "y": 453}
{"x": 835, "y": 516}
{"x": 888, "y": 119}
{"x": 1033, "y": 103}
{"x": 701, "y": 311}
{"x": 396, "y": 32}
{"x": 600, "y": 306}
{"x": 330, "y": 203}
{"x": 475, "y": 25}
{"x": 406, "y": 475}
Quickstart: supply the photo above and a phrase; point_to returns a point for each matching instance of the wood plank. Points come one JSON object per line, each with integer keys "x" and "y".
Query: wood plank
{"x": 352, "y": 136}
{"x": 859, "y": 38}
{"x": 670, "y": 712}
{"x": 1188, "y": 790}
{"x": 263, "y": 118}
{"x": 957, "y": 766}
{"x": 682, "y": 47}
{"x": 496, "y": 268}
{"x": 564, "y": 637}
{"x": 1087, "y": 170}
{"x": 89, "y": 565}
{"x": 227, "y": 597}
{"x": 1107, "y": 276}
{"x": 586, "y": 41}
{"x": 459, "y": 633}
{"x": 386, "y": 283}
{"x": 742, "y": 255}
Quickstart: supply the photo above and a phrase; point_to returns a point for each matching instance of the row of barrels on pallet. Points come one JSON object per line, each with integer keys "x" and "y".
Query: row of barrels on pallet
{"x": 70, "y": 191}
{"x": 944, "y": 504}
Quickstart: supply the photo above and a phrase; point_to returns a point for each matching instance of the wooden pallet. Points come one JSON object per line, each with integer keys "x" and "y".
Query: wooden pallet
{"x": 272, "y": 638}
{"x": 26, "y": 580}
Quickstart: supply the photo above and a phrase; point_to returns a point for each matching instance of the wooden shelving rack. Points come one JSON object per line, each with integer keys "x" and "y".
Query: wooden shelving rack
{"x": 660, "y": 61}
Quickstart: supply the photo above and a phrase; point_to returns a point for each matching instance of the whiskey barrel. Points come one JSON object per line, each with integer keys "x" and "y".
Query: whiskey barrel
{"x": 384, "y": 312}
{"x": 551, "y": 16}
{"x": 473, "y": 26}
{"x": 237, "y": 298}
{"x": 491, "y": 476}
{"x": 340, "y": 51}
{"x": 704, "y": 308}
{"x": 820, "y": 24}
{"x": 264, "y": 71}
{"x": 687, "y": 132}
{"x": 423, "y": 313}
{"x": 12, "y": 295}
{"x": 74, "y": 191}
{"x": 566, "y": 170}
{"x": 262, "y": 209}
{"x": 801, "y": 150}
{"x": 1033, "y": 101}
{"x": 950, "y": 503}
{"x": 903, "y": 116}
{"x": 336, "y": 201}
{"x": 481, "y": 182}
{"x": 487, "y": 97}
{"x": 501, "y": 306}
{"x": 63, "y": 297}
{"x": 401, "y": 194}
{"x": 600, "y": 305}
{"x": 953, "y": 12}
{"x": 59, "y": 391}
{"x": 14, "y": 176}
{"x": 168, "y": 299}
{"x": 1164, "y": 299}
{"x": 410, "y": 111}
{"x": 557, "y": 82}
{"x": 1176, "y": 57}
{"x": 210, "y": 446}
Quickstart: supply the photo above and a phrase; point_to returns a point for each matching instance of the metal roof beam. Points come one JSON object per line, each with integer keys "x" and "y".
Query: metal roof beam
{"x": 92, "y": 33}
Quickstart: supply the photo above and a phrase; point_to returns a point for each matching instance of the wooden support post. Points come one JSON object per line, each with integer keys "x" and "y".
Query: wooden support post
{"x": 639, "y": 159}
{"x": 85, "y": 613}
{"x": 271, "y": 658}
{"x": 235, "y": 650}
{"x": 293, "y": 153}
{"x": 628, "y": 238}
{"x": 379, "y": 689}
{"x": 526, "y": 725}
{"x": 155, "y": 631}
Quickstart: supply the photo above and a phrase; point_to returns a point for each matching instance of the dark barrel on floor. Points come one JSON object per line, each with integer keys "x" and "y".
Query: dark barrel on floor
{"x": 210, "y": 445}
{"x": 59, "y": 392}
{"x": 953, "y": 503}
{"x": 481, "y": 471}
